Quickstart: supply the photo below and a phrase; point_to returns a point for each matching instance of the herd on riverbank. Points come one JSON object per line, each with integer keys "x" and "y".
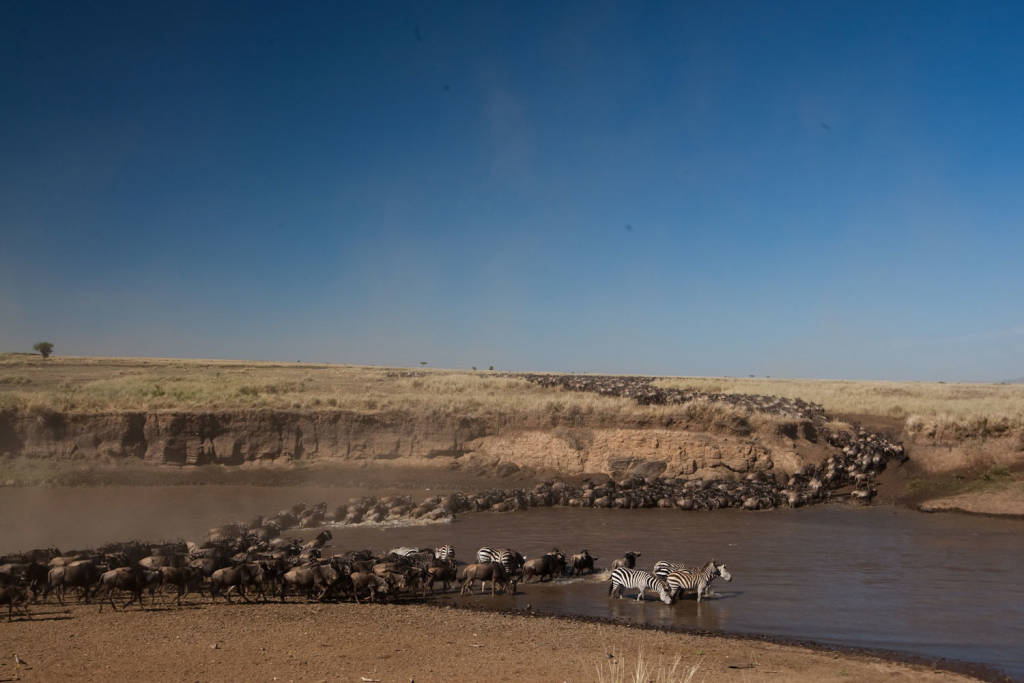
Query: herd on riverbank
{"x": 276, "y": 568}
{"x": 645, "y": 392}
{"x": 847, "y": 473}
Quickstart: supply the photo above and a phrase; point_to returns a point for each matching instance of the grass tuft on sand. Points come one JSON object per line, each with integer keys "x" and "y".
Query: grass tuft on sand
{"x": 644, "y": 669}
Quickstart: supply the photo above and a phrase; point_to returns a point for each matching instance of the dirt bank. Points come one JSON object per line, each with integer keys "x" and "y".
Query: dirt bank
{"x": 573, "y": 446}
{"x": 1005, "y": 498}
{"x": 393, "y": 643}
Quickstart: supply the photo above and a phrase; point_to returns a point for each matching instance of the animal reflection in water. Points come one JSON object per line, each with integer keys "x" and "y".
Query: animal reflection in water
{"x": 701, "y": 615}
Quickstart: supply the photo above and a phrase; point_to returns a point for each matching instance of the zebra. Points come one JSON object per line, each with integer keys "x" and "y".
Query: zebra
{"x": 680, "y": 581}
{"x": 639, "y": 581}
{"x": 445, "y": 553}
{"x": 510, "y": 560}
{"x": 662, "y": 568}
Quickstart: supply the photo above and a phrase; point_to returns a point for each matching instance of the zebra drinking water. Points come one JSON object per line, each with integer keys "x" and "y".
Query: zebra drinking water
{"x": 682, "y": 580}
{"x": 637, "y": 580}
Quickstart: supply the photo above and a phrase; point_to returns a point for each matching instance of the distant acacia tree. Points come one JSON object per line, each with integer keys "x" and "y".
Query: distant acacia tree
{"x": 423, "y": 362}
{"x": 44, "y": 348}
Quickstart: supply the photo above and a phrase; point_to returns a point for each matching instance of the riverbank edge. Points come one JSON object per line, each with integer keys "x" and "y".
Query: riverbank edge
{"x": 407, "y": 624}
{"x": 976, "y": 670}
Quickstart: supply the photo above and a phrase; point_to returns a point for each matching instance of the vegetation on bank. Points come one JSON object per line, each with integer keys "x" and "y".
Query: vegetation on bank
{"x": 94, "y": 385}
{"x": 939, "y": 409}
{"x": 955, "y": 410}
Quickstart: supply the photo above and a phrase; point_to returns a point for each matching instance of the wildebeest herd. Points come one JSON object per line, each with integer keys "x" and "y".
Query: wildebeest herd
{"x": 247, "y": 562}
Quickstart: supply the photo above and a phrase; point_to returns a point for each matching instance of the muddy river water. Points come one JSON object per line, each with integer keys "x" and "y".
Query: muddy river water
{"x": 932, "y": 585}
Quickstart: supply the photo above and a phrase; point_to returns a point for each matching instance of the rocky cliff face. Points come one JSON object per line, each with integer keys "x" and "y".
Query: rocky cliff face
{"x": 234, "y": 438}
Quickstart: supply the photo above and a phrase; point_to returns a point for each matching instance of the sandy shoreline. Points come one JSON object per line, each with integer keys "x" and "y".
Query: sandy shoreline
{"x": 300, "y": 641}
{"x": 1006, "y": 500}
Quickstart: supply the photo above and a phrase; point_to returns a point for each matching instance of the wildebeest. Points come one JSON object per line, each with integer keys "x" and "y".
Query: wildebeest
{"x": 78, "y": 574}
{"x": 183, "y": 578}
{"x": 14, "y": 596}
{"x": 628, "y": 560}
{"x": 320, "y": 541}
{"x": 549, "y": 565}
{"x": 131, "y": 579}
{"x": 414, "y": 578}
{"x": 237, "y": 578}
{"x": 372, "y": 583}
{"x": 443, "y": 572}
{"x": 158, "y": 561}
{"x": 581, "y": 561}
{"x": 487, "y": 571}
{"x": 318, "y": 577}
{"x": 33, "y": 574}
{"x": 206, "y": 566}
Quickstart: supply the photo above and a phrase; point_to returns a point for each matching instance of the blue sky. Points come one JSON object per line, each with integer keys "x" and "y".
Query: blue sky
{"x": 790, "y": 189}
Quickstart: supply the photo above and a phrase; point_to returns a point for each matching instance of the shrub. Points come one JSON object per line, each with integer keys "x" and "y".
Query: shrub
{"x": 44, "y": 348}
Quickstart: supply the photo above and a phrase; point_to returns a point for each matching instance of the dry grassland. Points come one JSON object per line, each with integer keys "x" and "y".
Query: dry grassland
{"x": 103, "y": 384}
{"x": 962, "y": 409}
{"x": 98, "y": 384}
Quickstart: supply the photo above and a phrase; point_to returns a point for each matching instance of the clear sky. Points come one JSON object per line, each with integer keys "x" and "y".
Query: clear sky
{"x": 817, "y": 189}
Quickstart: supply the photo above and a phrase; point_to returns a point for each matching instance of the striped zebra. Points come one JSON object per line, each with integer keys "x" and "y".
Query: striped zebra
{"x": 510, "y": 560}
{"x": 445, "y": 553}
{"x": 680, "y": 581}
{"x": 637, "y": 580}
{"x": 662, "y": 568}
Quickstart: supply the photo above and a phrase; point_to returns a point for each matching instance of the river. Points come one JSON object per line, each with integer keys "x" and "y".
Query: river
{"x": 931, "y": 585}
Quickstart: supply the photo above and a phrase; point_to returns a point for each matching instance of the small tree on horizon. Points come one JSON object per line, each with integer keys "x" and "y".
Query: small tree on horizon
{"x": 44, "y": 348}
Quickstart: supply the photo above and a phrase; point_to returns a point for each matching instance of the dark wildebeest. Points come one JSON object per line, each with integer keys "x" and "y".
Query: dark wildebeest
{"x": 320, "y": 541}
{"x": 414, "y": 578}
{"x": 580, "y": 561}
{"x": 206, "y": 566}
{"x": 78, "y": 574}
{"x": 549, "y": 565}
{"x": 318, "y": 577}
{"x": 158, "y": 561}
{"x": 371, "y": 582}
{"x": 443, "y": 572}
{"x": 14, "y": 596}
{"x": 238, "y": 578}
{"x": 33, "y": 574}
{"x": 628, "y": 561}
{"x": 183, "y": 578}
{"x": 488, "y": 571}
{"x": 132, "y": 579}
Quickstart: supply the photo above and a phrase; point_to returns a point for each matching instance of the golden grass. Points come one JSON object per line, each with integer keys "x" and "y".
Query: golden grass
{"x": 93, "y": 385}
{"x": 101, "y": 384}
{"x": 935, "y": 408}
{"x": 644, "y": 669}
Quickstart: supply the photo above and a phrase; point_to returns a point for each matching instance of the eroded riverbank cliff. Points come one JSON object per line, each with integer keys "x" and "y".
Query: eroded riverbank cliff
{"x": 571, "y": 445}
